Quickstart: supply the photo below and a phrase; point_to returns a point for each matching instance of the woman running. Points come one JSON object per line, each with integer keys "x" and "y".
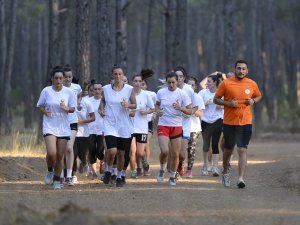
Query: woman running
{"x": 171, "y": 102}
{"x": 117, "y": 99}
{"x": 56, "y": 102}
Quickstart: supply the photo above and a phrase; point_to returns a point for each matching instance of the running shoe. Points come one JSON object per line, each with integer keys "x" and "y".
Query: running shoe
{"x": 189, "y": 174}
{"x": 56, "y": 185}
{"x": 106, "y": 178}
{"x": 113, "y": 179}
{"x": 49, "y": 178}
{"x": 172, "y": 181}
{"x": 216, "y": 172}
{"x": 241, "y": 183}
{"x": 139, "y": 172}
{"x": 123, "y": 178}
{"x": 180, "y": 169}
{"x": 226, "y": 179}
{"x": 74, "y": 179}
{"x": 133, "y": 174}
{"x": 229, "y": 168}
{"x": 204, "y": 171}
{"x": 119, "y": 182}
{"x": 69, "y": 181}
{"x": 62, "y": 180}
{"x": 209, "y": 169}
{"x": 160, "y": 176}
{"x": 146, "y": 165}
{"x": 146, "y": 173}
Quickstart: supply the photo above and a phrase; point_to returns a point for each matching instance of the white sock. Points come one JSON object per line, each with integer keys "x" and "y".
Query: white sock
{"x": 69, "y": 173}
{"x": 163, "y": 167}
{"x": 115, "y": 172}
{"x": 123, "y": 174}
{"x": 62, "y": 174}
{"x": 109, "y": 168}
{"x": 215, "y": 160}
{"x": 172, "y": 174}
{"x": 119, "y": 173}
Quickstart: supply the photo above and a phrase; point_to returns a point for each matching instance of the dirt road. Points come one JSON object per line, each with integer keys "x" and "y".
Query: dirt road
{"x": 272, "y": 195}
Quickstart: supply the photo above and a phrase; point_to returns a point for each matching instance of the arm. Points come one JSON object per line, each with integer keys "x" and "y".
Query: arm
{"x": 219, "y": 101}
{"x": 132, "y": 104}
{"x": 91, "y": 118}
{"x": 44, "y": 111}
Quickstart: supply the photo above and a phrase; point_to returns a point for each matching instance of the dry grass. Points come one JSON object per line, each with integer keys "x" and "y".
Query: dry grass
{"x": 21, "y": 144}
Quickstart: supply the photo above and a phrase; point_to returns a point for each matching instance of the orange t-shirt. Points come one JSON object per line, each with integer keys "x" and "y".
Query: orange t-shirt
{"x": 241, "y": 90}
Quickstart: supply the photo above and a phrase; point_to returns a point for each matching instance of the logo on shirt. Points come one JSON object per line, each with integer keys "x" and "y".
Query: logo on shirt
{"x": 247, "y": 91}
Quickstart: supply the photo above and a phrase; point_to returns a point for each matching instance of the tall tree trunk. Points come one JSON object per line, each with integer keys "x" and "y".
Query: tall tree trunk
{"x": 64, "y": 30}
{"x": 181, "y": 34}
{"x": 170, "y": 33}
{"x": 82, "y": 41}
{"x": 2, "y": 41}
{"x": 271, "y": 97}
{"x": 27, "y": 91}
{"x": 6, "y": 116}
{"x": 121, "y": 39}
{"x": 148, "y": 34}
{"x": 104, "y": 43}
{"x": 230, "y": 24}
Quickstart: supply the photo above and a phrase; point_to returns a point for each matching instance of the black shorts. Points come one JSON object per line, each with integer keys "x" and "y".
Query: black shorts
{"x": 235, "y": 134}
{"x": 140, "y": 138}
{"x": 74, "y": 126}
{"x": 117, "y": 142}
{"x": 150, "y": 127}
{"x": 64, "y": 137}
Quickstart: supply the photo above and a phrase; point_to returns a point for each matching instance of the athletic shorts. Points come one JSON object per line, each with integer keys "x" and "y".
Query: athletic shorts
{"x": 74, "y": 126}
{"x": 140, "y": 138}
{"x": 117, "y": 142}
{"x": 237, "y": 135}
{"x": 171, "y": 132}
{"x": 64, "y": 137}
{"x": 150, "y": 127}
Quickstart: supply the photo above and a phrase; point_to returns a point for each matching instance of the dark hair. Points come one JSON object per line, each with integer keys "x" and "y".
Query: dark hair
{"x": 115, "y": 66}
{"x": 67, "y": 68}
{"x": 216, "y": 78}
{"x": 56, "y": 69}
{"x": 194, "y": 79}
{"x": 144, "y": 74}
{"x": 240, "y": 61}
{"x": 171, "y": 74}
{"x": 75, "y": 80}
{"x": 180, "y": 68}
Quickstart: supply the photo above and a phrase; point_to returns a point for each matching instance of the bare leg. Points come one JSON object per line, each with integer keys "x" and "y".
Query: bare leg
{"x": 242, "y": 161}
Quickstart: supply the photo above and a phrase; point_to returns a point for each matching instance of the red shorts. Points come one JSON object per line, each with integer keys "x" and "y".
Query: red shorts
{"x": 172, "y": 132}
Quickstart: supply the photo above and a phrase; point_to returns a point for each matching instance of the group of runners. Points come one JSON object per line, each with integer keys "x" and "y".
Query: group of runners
{"x": 113, "y": 125}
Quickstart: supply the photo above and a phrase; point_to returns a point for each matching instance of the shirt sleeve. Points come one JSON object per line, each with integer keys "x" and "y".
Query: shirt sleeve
{"x": 42, "y": 99}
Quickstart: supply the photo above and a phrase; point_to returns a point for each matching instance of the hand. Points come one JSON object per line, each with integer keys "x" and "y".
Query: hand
{"x": 48, "y": 114}
{"x": 208, "y": 102}
{"x": 63, "y": 106}
{"x": 160, "y": 112}
{"x": 102, "y": 113}
{"x": 177, "y": 106}
{"x": 234, "y": 103}
{"x": 132, "y": 113}
{"x": 124, "y": 104}
{"x": 143, "y": 112}
{"x": 250, "y": 101}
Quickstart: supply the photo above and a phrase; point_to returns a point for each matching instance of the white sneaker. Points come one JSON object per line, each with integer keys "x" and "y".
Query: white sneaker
{"x": 172, "y": 181}
{"x": 49, "y": 178}
{"x": 56, "y": 185}
{"x": 204, "y": 171}
{"x": 160, "y": 176}
{"x": 74, "y": 179}
{"x": 226, "y": 179}
{"x": 216, "y": 172}
{"x": 209, "y": 169}
{"x": 241, "y": 183}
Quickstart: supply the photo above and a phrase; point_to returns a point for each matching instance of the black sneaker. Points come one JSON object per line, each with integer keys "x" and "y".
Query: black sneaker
{"x": 113, "y": 179}
{"x": 119, "y": 182}
{"x": 106, "y": 178}
{"x": 123, "y": 178}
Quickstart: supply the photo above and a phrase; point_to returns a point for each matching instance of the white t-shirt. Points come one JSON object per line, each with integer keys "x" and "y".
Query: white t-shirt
{"x": 211, "y": 113}
{"x": 58, "y": 124}
{"x": 196, "y": 123}
{"x": 96, "y": 127}
{"x": 187, "y": 120}
{"x": 140, "y": 122}
{"x": 83, "y": 114}
{"x": 116, "y": 120}
{"x": 171, "y": 117}
{"x": 153, "y": 97}
{"x": 76, "y": 90}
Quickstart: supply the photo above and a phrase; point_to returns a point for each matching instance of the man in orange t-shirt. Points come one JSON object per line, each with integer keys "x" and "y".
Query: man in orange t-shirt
{"x": 237, "y": 94}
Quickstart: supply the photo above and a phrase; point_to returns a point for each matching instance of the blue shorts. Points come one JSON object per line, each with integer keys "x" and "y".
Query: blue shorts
{"x": 237, "y": 135}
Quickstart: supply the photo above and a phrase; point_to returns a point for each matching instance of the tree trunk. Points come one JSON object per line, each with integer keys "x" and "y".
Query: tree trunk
{"x": 27, "y": 114}
{"x": 121, "y": 39}
{"x": 6, "y": 85}
{"x": 170, "y": 34}
{"x": 82, "y": 42}
{"x": 181, "y": 34}
{"x": 64, "y": 30}
{"x": 148, "y": 34}
{"x": 2, "y": 41}
{"x": 104, "y": 43}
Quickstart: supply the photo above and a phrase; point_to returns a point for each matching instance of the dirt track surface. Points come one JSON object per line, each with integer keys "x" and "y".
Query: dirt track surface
{"x": 272, "y": 195}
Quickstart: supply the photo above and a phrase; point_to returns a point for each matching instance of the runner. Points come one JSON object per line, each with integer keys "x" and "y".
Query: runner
{"x": 239, "y": 93}
{"x": 195, "y": 127}
{"x": 211, "y": 124}
{"x": 170, "y": 104}
{"x": 117, "y": 99}
{"x": 56, "y": 102}
{"x": 71, "y": 163}
{"x": 144, "y": 106}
